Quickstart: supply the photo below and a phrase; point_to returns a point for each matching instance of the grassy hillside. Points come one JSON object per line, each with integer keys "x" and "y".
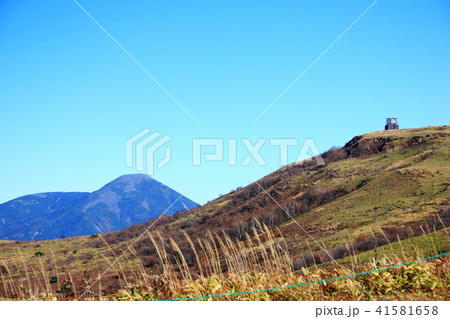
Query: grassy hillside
{"x": 381, "y": 199}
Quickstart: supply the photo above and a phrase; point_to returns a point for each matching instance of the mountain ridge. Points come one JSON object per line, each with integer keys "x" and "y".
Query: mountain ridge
{"x": 126, "y": 200}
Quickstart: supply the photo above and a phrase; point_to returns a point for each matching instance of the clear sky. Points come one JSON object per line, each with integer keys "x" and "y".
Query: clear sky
{"x": 70, "y": 97}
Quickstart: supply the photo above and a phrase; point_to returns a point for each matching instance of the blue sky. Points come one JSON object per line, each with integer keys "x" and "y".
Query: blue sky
{"x": 70, "y": 97}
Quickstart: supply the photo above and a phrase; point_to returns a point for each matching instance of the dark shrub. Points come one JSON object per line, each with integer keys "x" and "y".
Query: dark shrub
{"x": 364, "y": 182}
{"x": 298, "y": 263}
{"x": 3, "y": 270}
{"x": 364, "y": 244}
{"x": 339, "y": 252}
{"x": 147, "y": 251}
{"x": 151, "y": 261}
{"x": 65, "y": 289}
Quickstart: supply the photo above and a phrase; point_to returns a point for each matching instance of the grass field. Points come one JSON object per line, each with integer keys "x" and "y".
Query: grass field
{"x": 381, "y": 200}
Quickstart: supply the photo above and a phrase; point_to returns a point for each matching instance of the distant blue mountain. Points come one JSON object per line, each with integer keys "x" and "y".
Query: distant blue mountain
{"x": 128, "y": 200}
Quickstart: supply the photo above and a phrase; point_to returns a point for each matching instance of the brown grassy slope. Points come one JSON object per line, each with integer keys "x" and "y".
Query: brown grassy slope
{"x": 395, "y": 181}
{"x": 379, "y": 188}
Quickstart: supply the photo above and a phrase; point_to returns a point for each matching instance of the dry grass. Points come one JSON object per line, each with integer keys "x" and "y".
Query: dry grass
{"x": 216, "y": 264}
{"x": 233, "y": 267}
{"x": 425, "y": 281}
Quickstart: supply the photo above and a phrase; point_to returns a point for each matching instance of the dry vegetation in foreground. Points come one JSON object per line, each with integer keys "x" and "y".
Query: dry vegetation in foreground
{"x": 224, "y": 266}
{"x": 426, "y": 281}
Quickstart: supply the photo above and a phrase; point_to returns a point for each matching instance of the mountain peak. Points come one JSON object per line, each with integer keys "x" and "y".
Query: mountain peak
{"x": 133, "y": 177}
{"x": 129, "y": 182}
{"x": 125, "y": 201}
